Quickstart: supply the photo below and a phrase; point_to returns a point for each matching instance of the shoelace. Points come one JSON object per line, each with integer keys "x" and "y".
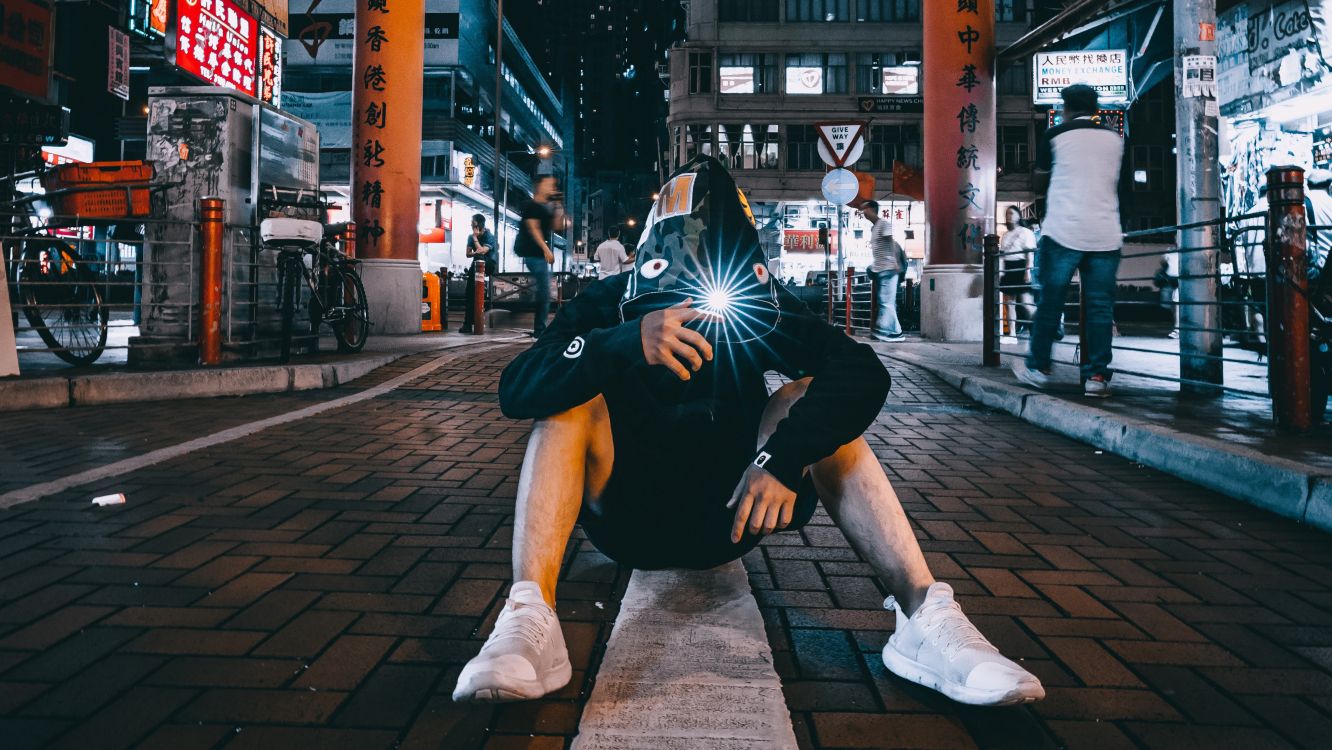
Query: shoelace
{"x": 524, "y": 621}
{"x": 946, "y": 626}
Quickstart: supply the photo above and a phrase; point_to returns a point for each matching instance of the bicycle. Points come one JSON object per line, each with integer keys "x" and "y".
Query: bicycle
{"x": 337, "y": 296}
{"x": 55, "y": 288}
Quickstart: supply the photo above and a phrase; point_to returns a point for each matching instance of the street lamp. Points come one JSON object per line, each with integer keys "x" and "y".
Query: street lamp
{"x": 631, "y": 222}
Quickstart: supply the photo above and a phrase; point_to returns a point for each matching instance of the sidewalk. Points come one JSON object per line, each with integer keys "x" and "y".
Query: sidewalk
{"x": 47, "y": 382}
{"x": 1227, "y": 444}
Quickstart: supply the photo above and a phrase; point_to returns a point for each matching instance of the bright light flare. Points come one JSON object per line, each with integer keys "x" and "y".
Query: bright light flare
{"x": 718, "y": 301}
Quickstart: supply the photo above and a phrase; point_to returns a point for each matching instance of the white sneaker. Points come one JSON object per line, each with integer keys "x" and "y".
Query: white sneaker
{"x": 1097, "y": 387}
{"x": 524, "y": 657}
{"x": 939, "y": 648}
{"x": 1034, "y": 378}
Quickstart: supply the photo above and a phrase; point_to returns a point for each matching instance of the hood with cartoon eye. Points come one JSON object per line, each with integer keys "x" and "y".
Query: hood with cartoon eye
{"x": 700, "y": 243}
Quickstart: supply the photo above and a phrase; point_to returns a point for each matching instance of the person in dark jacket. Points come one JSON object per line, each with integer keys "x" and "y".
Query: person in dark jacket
{"x": 655, "y": 431}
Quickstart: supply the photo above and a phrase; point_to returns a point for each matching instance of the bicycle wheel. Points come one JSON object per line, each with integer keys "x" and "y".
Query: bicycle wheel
{"x": 350, "y": 318}
{"x": 289, "y": 277}
{"x": 61, "y": 300}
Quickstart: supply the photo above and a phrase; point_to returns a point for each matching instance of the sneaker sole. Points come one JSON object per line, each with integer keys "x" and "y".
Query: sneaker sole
{"x": 913, "y": 671}
{"x": 494, "y": 687}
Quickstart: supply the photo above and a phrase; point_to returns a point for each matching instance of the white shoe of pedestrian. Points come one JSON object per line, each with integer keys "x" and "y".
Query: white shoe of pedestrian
{"x": 1097, "y": 386}
{"x": 939, "y": 648}
{"x": 888, "y": 337}
{"x": 1033, "y": 378}
{"x": 524, "y": 657}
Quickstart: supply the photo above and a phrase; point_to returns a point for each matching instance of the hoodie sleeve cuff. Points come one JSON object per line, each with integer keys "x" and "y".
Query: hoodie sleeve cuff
{"x": 781, "y": 464}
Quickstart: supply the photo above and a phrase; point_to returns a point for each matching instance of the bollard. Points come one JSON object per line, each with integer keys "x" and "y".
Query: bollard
{"x": 850, "y": 272}
{"x": 479, "y": 298}
{"x": 1288, "y": 301}
{"x": 349, "y": 240}
{"x": 989, "y": 301}
{"x": 212, "y": 216}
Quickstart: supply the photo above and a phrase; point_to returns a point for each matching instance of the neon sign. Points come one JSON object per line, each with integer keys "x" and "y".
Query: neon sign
{"x": 218, "y": 42}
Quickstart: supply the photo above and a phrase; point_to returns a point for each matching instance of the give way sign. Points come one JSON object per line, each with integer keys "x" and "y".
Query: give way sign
{"x": 841, "y": 143}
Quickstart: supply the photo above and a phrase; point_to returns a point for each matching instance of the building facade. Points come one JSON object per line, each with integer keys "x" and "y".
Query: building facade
{"x": 756, "y": 75}
{"x": 458, "y": 165}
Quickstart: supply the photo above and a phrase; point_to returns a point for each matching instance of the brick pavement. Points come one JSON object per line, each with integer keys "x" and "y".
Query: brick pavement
{"x": 320, "y": 584}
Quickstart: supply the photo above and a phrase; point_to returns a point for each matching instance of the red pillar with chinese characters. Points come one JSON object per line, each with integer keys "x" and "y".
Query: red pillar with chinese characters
{"x": 959, "y": 146}
{"x": 387, "y": 73}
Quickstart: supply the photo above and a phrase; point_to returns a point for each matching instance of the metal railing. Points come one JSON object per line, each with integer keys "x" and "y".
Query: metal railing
{"x": 1208, "y": 316}
{"x": 118, "y": 291}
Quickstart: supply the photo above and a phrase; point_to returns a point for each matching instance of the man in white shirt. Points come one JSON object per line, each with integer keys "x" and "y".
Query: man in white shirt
{"x": 611, "y": 257}
{"x": 1077, "y": 172}
{"x": 887, "y": 267}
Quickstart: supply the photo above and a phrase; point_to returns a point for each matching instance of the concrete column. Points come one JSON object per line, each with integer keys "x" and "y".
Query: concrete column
{"x": 1199, "y": 190}
{"x": 387, "y": 71}
{"x": 959, "y": 141}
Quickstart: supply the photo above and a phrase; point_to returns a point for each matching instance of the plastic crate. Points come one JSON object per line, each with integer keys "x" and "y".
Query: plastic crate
{"x": 114, "y": 203}
{"x": 97, "y": 173}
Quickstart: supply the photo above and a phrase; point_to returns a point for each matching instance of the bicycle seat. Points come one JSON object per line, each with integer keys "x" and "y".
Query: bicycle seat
{"x": 335, "y": 230}
{"x": 287, "y": 232}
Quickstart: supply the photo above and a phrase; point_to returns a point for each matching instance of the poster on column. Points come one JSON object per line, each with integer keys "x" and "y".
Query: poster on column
{"x": 323, "y": 32}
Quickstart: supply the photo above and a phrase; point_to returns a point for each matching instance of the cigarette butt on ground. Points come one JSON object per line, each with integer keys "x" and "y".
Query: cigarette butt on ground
{"x": 116, "y": 499}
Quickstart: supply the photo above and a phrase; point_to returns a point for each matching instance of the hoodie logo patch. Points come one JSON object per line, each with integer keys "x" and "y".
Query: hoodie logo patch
{"x": 575, "y": 348}
{"x": 677, "y": 197}
{"x": 763, "y": 458}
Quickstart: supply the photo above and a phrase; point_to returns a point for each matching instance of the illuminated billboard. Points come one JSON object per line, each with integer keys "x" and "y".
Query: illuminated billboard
{"x": 737, "y": 80}
{"x": 270, "y": 68}
{"x": 219, "y": 43}
{"x": 804, "y": 80}
{"x": 1105, "y": 70}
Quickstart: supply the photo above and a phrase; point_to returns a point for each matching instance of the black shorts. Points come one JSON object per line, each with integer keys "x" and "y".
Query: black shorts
{"x": 665, "y": 503}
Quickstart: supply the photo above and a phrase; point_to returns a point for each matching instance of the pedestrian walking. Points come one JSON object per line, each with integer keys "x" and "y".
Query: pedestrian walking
{"x": 480, "y": 249}
{"x": 654, "y": 430}
{"x": 1016, "y": 249}
{"x": 1077, "y": 176}
{"x": 533, "y": 248}
{"x": 611, "y": 256}
{"x": 887, "y": 267}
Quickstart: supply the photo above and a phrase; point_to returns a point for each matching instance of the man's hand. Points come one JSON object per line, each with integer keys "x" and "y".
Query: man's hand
{"x": 667, "y": 342}
{"x": 763, "y": 504}
{"x": 550, "y": 257}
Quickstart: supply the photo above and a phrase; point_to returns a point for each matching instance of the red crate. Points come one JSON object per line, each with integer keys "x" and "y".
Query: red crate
{"x": 114, "y": 203}
{"x": 97, "y": 173}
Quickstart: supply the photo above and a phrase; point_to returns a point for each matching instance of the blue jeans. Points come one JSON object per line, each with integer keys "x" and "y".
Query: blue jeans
{"x": 886, "y": 323}
{"x": 1056, "y": 265}
{"x": 540, "y": 271}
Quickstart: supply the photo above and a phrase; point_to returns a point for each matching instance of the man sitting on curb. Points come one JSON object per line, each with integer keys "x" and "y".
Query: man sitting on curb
{"x": 655, "y": 431}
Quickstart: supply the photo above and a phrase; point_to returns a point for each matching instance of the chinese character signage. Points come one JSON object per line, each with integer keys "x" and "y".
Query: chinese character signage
{"x": 959, "y": 132}
{"x": 218, "y": 42}
{"x": 1105, "y": 70}
{"x": 25, "y": 47}
{"x": 117, "y": 62}
{"x": 270, "y": 68}
{"x": 34, "y": 124}
{"x": 157, "y": 16}
{"x": 887, "y": 104}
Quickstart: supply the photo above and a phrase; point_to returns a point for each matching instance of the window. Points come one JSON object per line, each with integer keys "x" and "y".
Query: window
{"x": 888, "y": 72}
{"x": 1014, "y": 148}
{"x": 1148, "y": 168}
{"x": 747, "y": 146}
{"x": 747, "y": 73}
{"x": 698, "y": 140}
{"x": 677, "y": 150}
{"x": 1012, "y": 11}
{"x": 818, "y": 10}
{"x": 802, "y": 148}
{"x": 1014, "y": 79}
{"x": 700, "y": 72}
{"x": 890, "y": 143}
{"x": 747, "y": 10}
{"x": 887, "y": 10}
{"x": 816, "y": 73}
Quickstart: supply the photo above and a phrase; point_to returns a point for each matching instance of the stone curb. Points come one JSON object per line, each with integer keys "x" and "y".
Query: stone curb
{"x": 1288, "y": 488}
{"x": 122, "y": 387}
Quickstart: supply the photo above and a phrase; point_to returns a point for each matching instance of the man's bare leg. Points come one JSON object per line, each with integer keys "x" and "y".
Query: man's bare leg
{"x": 934, "y": 644}
{"x": 569, "y": 458}
{"x": 854, "y": 488}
